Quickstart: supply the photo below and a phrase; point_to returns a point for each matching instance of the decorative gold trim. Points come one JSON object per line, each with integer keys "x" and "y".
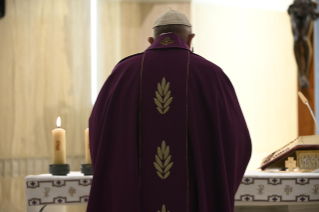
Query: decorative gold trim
{"x": 163, "y": 96}
{"x": 163, "y": 161}
{"x": 187, "y": 168}
{"x": 163, "y": 209}
{"x": 166, "y": 41}
{"x": 140, "y": 125}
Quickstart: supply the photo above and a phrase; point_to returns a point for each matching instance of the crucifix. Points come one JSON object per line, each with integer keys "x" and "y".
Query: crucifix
{"x": 290, "y": 164}
{"x": 302, "y": 14}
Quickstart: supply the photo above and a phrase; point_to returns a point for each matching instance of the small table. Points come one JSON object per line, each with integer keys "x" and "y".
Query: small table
{"x": 256, "y": 189}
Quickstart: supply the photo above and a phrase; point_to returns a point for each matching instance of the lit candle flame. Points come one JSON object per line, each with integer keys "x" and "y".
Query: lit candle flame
{"x": 58, "y": 122}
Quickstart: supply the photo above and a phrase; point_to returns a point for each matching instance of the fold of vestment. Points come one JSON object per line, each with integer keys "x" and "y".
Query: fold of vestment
{"x": 167, "y": 134}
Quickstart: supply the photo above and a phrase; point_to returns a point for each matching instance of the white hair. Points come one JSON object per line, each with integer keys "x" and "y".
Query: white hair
{"x": 182, "y": 31}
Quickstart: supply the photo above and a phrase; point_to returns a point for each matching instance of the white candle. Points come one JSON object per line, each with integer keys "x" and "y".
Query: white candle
{"x": 87, "y": 147}
{"x": 59, "y": 149}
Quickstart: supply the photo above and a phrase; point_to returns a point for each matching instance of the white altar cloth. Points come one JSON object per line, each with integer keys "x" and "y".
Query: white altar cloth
{"x": 264, "y": 188}
{"x": 256, "y": 189}
{"x": 46, "y": 189}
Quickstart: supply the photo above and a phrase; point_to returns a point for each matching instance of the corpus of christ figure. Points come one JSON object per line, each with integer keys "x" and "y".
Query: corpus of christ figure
{"x": 302, "y": 14}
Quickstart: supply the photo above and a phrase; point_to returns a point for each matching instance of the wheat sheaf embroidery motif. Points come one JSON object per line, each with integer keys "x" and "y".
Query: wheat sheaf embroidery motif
{"x": 163, "y": 97}
{"x": 163, "y": 209}
{"x": 166, "y": 41}
{"x": 163, "y": 161}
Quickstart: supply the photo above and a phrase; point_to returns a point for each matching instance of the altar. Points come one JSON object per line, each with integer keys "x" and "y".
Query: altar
{"x": 274, "y": 191}
{"x": 278, "y": 191}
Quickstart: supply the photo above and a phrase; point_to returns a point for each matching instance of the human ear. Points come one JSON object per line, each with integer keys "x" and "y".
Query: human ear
{"x": 189, "y": 39}
{"x": 151, "y": 40}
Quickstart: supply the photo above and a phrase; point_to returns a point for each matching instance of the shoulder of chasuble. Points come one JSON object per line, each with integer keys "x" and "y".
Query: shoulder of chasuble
{"x": 192, "y": 53}
{"x": 133, "y": 55}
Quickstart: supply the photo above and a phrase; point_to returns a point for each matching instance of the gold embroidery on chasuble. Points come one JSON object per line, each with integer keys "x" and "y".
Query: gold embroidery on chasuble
{"x": 163, "y": 97}
{"x": 166, "y": 41}
{"x": 163, "y": 209}
{"x": 163, "y": 161}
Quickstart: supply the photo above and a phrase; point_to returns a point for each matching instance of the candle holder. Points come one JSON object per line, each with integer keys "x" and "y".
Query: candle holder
{"x": 87, "y": 169}
{"x": 59, "y": 169}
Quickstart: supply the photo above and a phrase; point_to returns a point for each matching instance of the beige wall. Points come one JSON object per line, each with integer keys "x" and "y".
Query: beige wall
{"x": 108, "y": 38}
{"x": 45, "y": 73}
{"x": 254, "y": 48}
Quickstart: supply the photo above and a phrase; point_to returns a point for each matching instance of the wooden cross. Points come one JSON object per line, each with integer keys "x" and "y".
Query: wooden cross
{"x": 290, "y": 164}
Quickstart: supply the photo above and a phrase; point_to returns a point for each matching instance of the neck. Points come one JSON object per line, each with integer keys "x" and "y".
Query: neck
{"x": 169, "y": 40}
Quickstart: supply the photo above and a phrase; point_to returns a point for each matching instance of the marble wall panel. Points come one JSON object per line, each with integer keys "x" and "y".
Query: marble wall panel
{"x": 108, "y": 39}
{"x": 45, "y": 73}
{"x": 45, "y": 67}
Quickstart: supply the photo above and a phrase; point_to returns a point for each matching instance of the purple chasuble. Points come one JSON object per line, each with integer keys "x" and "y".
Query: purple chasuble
{"x": 167, "y": 134}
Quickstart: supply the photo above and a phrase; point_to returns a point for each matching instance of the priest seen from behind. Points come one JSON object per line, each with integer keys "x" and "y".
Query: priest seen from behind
{"x": 166, "y": 131}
